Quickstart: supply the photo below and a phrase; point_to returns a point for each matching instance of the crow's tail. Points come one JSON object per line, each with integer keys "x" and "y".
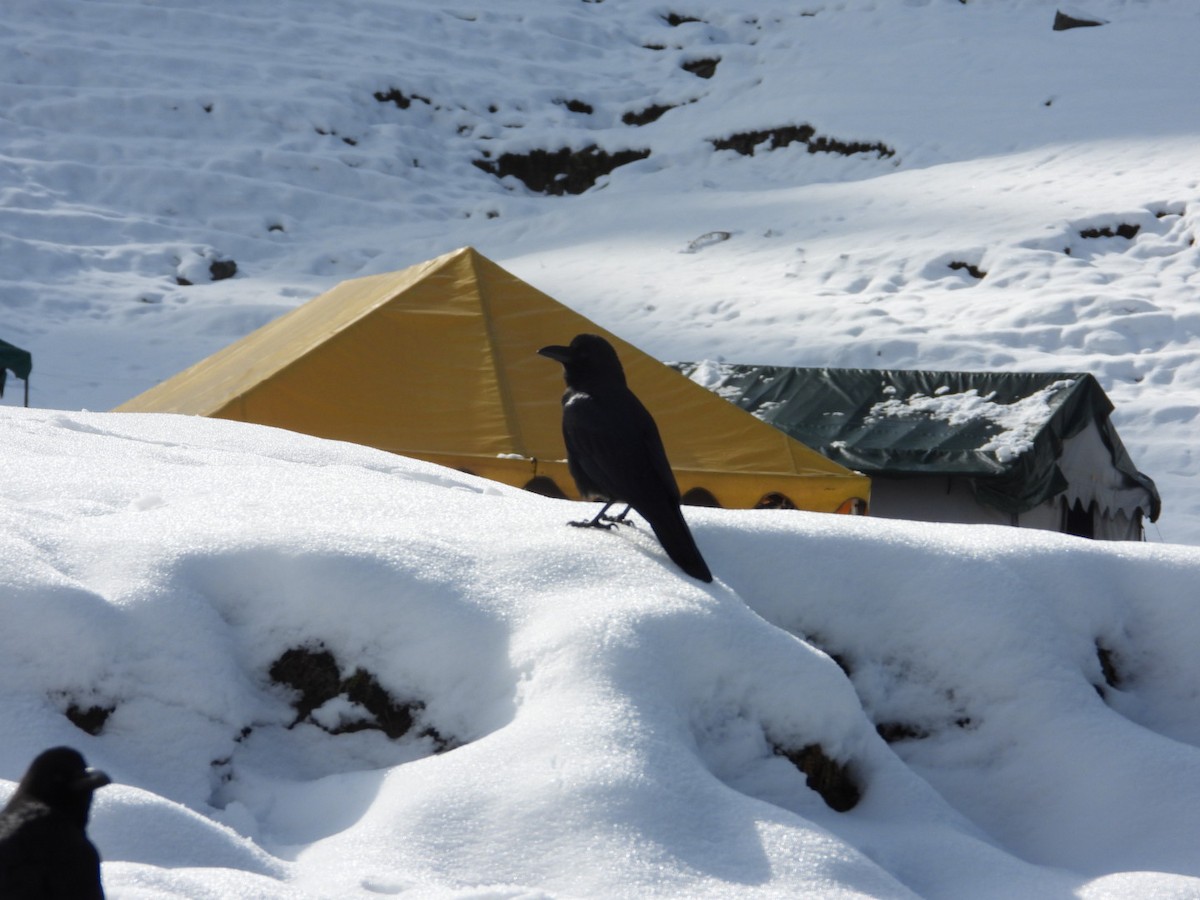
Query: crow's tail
{"x": 673, "y": 533}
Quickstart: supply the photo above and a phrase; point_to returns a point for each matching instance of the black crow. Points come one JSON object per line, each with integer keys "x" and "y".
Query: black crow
{"x": 614, "y": 451}
{"x": 45, "y": 853}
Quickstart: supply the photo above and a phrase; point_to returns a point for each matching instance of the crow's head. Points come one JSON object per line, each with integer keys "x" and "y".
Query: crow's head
{"x": 61, "y": 779}
{"x": 589, "y": 360}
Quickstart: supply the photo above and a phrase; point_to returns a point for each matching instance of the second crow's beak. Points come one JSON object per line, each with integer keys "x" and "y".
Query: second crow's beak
{"x": 90, "y": 780}
{"x": 556, "y": 352}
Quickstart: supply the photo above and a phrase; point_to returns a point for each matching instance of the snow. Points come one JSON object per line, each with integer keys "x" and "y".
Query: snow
{"x": 589, "y": 722}
{"x": 1016, "y": 423}
{"x": 613, "y": 723}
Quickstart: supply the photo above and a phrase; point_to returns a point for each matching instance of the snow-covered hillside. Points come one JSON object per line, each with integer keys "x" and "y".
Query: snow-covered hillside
{"x": 512, "y": 708}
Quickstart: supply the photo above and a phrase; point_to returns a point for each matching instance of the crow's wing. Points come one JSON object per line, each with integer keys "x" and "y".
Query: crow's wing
{"x": 614, "y": 448}
{"x": 44, "y": 856}
{"x": 615, "y": 452}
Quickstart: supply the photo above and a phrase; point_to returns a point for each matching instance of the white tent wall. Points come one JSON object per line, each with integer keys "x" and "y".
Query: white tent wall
{"x": 1087, "y": 465}
{"x": 1093, "y": 483}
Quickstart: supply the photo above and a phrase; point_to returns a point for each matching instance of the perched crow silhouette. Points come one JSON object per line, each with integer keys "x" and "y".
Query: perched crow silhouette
{"x": 45, "y": 853}
{"x": 614, "y": 451}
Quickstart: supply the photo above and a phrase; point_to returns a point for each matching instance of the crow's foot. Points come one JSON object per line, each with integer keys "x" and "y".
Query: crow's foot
{"x": 618, "y": 520}
{"x": 593, "y": 523}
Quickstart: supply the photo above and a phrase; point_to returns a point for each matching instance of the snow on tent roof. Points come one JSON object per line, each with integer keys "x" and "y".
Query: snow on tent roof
{"x": 1002, "y": 429}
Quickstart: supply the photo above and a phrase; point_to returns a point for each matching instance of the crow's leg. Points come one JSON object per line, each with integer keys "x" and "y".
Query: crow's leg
{"x": 619, "y": 519}
{"x": 598, "y": 521}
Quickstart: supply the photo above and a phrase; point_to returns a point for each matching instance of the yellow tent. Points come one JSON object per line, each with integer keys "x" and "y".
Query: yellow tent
{"x": 439, "y": 362}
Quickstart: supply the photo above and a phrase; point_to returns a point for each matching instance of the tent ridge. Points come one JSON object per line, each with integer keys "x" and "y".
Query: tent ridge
{"x": 482, "y": 284}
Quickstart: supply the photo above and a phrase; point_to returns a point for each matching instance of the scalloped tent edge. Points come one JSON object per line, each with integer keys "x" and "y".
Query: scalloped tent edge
{"x": 439, "y": 362}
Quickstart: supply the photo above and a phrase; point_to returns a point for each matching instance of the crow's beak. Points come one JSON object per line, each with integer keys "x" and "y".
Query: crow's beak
{"x": 556, "y": 352}
{"x": 90, "y": 780}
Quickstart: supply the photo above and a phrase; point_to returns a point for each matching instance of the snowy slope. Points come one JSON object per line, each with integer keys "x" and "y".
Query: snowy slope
{"x": 588, "y": 722}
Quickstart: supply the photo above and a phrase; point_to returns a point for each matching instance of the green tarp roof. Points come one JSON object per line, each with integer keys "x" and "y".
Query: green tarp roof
{"x": 16, "y": 360}
{"x": 1003, "y": 431}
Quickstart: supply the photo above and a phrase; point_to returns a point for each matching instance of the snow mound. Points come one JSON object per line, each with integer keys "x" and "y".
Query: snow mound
{"x": 975, "y": 706}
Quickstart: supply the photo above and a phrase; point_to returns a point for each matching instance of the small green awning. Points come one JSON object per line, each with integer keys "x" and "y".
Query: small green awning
{"x": 1003, "y": 431}
{"x": 15, "y": 360}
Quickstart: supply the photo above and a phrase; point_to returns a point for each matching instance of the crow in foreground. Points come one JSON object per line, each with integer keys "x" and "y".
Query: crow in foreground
{"x": 45, "y": 853}
{"x": 614, "y": 451}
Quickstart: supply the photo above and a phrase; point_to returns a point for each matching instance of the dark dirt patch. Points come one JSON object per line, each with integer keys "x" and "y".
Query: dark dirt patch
{"x": 1108, "y": 666}
{"x": 748, "y": 142}
{"x": 401, "y": 99}
{"x": 894, "y": 732}
{"x": 577, "y": 106}
{"x": 645, "y": 116}
{"x": 316, "y": 678}
{"x": 392, "y": 717}
{"x": 821, "y": 644}
{"x": 220, "y": 269}
{"x": 702, "y": 68}
{"x": 1127, "y": 231}
{"x": 558, "y": 172}
{"x": 829, "y": 778}
{"x": 313, "y": 674}
{"x": 971, "y": 269}
{"x": 1065, "y": 22}
{"x": 90, "y": 719}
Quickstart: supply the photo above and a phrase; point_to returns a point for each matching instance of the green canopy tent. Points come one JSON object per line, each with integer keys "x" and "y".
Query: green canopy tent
{"x": 1031, "y": 449}
{"x": 19, "y": 362}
